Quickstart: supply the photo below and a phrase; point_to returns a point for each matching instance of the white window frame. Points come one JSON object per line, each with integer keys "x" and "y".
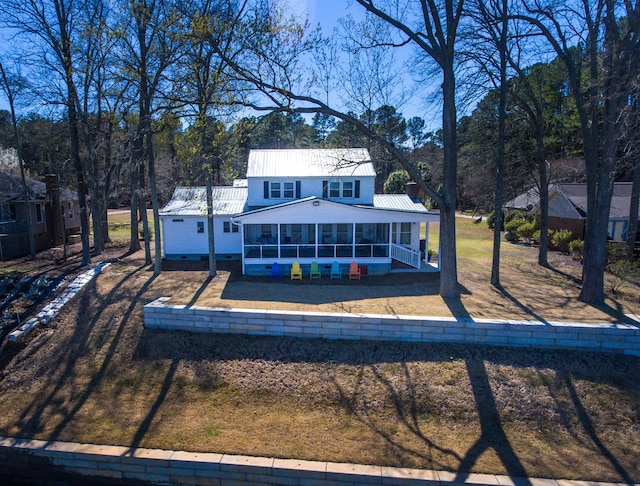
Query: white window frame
{"x": 288, "y": 190}
{"x": 348, "y": 193}
{"x": 275, "y": 190}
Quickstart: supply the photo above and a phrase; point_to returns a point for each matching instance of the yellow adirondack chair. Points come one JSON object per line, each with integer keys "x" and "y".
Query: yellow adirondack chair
{"x": 296, "y": 271}
{"x": 315, "y": 271}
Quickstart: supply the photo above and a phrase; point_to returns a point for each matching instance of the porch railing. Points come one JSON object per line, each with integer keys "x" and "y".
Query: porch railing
{"x": 405, "y": 255}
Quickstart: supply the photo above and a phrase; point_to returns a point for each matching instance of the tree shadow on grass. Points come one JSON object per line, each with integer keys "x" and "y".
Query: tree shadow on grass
{"x": 162, "y": 394}
{"x": 519, "y": 304}
{"x": 382, "y": 387}
{"x": 74, "y": 348}
{"x": 492, "y": 435}
{"x": 616, "y": 312}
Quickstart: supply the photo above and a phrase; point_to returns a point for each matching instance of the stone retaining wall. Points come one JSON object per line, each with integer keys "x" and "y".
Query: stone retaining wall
{"x": 25, "y": 461}
{"x": 613, "y": 338}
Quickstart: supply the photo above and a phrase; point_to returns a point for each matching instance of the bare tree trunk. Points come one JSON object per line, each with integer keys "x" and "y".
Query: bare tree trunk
{"x": 157, "y": 267}
{"x": 543, "y": 175}
{"x": 500, "y": 162}
{"x": 448, "y": 260}
{"x": 134, "y": 243}
{"x": 212, "y": 247}
{"x": 16, "y": 136}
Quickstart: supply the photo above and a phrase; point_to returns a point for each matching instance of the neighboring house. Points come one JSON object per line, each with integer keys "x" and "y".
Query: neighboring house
{"x": 300, "y": 205}
{"x": 51, "y": 210}
{"x": 568, "y": 208}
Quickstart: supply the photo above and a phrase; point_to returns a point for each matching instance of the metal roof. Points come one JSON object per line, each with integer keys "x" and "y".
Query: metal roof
{"x": 353, "y": 162}
{"x": 381, "y": 202}
{"x": 192, "y": 201}
{"x": 397, "y": 202}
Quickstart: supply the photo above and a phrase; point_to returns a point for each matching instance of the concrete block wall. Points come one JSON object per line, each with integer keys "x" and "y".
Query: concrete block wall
{"x": 612, "y": 338}
{"x": 26, "y": 461}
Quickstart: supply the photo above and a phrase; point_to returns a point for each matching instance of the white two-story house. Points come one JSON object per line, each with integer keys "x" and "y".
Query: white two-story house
{"x": 300, "y": 205}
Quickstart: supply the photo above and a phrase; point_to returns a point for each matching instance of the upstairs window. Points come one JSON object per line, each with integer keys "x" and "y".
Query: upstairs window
{"x": 282, "y": 190}
{"x": 287, "y": 192}
{"x": 275, "y": 190}
{"x": 200, "y": 227}
{"x": 341, "y": 189}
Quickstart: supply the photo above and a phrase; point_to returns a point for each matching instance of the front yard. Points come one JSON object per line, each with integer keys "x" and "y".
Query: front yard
{"x": 96, "y": 375}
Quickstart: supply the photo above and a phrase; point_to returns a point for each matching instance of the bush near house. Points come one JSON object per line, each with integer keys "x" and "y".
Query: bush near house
{"x": 507, "y": 216}
{"x": 560, "y": 240}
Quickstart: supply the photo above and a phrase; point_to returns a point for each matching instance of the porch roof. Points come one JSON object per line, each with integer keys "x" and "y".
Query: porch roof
{"x": 387, "y": 203}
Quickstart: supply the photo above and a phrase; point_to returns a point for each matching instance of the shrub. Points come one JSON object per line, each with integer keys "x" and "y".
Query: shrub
{"x": 526, "y": 231}
{"x": 575, "y": 247}
{"x": 507, "y": 216}
{"x": 561, "y": 239}
{"x": 513, "y": 225}
{"x": 396, "y": 182}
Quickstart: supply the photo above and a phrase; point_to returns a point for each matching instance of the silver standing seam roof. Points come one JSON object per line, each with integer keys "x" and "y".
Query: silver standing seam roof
{"x": 192, "y": 201}
{"x": 353, "y": 162}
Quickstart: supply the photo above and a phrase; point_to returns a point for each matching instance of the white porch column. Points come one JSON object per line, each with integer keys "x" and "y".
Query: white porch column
{"x": 242, "y": 245}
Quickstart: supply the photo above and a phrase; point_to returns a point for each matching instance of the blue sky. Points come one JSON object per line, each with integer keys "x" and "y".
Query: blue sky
{"x": 327, "y": 13}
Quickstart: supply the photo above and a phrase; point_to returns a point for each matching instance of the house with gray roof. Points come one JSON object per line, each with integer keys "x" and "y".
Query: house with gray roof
{"x": 300, "y": 205}
{"x": 568, "y": 208}
{"x": 54, "y": 211}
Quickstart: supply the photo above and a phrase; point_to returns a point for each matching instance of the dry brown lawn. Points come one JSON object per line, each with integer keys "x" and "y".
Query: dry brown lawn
{"x": 97, "y": 375}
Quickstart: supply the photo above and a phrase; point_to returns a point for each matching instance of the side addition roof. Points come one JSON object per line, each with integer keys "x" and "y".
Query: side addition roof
{"x": 398, "y": 202}
{"x": 192, "y": 201}
{"x": 352, "y": 162}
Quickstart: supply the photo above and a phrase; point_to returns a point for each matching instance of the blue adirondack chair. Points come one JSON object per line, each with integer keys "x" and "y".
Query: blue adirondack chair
{"x": 335, "y": 270}
{"x": 276, "y": 274}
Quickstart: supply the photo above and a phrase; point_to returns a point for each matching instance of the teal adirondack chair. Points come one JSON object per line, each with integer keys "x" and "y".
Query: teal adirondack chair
{"x": 335, "y": 270}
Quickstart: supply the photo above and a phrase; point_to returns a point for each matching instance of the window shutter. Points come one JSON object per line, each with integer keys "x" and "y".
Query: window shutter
{"x": 266, "y": 189}
{"x": 325, "y": 189}
{"x": 297, "y": 189}
{"x": 357, "y": 190}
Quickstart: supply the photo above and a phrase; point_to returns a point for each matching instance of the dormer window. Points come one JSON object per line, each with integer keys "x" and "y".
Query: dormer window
{"x": 341, "y": 189}
{"x": 287, "y": 190}
{"x": 275, "y": 190}
{"x": 347, "y": 189}
{"x": 281, "y": 190}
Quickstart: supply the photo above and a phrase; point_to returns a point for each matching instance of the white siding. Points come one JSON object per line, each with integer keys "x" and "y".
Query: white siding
{"x": 226, "y": 243}
{"x": 182, "y": 237}
{"x": 310, "y": 186}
